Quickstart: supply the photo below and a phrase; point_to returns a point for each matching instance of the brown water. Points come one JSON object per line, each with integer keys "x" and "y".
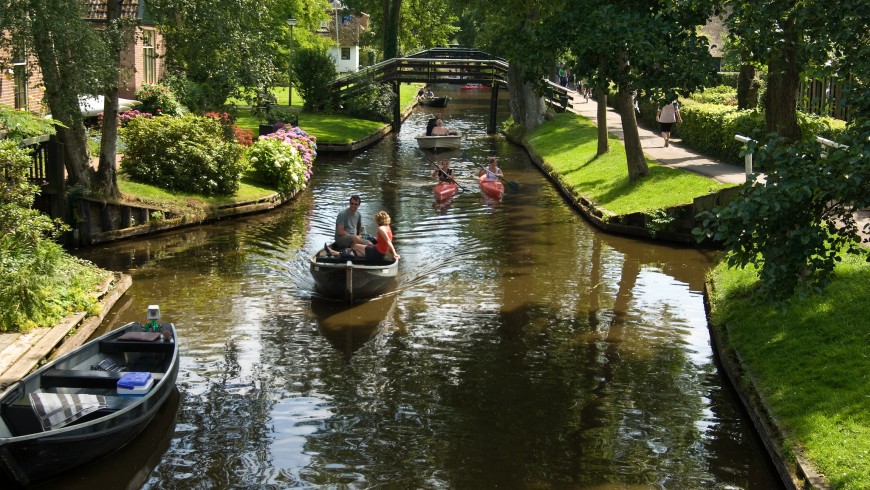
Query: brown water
{"x": 520, "y": 349}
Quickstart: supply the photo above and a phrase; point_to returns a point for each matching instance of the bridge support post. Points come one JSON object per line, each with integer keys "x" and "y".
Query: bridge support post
{"x": 493, "y": 109}
{"x": 397, "y": 107}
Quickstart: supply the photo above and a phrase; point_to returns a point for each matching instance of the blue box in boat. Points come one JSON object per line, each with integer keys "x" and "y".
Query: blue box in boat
{"x": 135, "y": 383}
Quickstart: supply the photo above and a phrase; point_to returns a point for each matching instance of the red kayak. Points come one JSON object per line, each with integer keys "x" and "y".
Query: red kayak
{"x": 491, "y": 188}
{"x": 475, "y": 86}
{"x": 445, "y": 190}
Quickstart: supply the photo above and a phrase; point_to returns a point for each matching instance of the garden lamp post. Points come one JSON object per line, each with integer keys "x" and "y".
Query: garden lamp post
{"x": 290, "y": 22}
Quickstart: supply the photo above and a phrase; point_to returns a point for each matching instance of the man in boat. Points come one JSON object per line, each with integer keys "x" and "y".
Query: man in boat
{"x": 440, "y": 129}
{"x": 492, "y": 170}
{"x": 432, "y": 123}
{"x": 348, "y": 226}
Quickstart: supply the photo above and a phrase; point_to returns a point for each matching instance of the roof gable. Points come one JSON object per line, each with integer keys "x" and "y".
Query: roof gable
{"x": 96, "y": 9}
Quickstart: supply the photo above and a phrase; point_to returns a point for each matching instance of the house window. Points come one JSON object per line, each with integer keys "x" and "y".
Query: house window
{"x": 19, "y": 87}
{"x": 345, "y": 53}
{"x": 149, "y": 58}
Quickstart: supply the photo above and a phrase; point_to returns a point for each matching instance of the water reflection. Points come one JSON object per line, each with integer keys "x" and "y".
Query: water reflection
{"x": 348, "y": 327}
{"x": 521, "y": 348}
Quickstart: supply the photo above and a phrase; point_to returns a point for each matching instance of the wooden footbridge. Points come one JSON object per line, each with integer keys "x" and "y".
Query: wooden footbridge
{"x": 439, "y": 65}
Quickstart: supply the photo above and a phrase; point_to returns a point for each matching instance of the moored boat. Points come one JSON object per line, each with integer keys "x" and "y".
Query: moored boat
{"x": 436, "y": 143}
{"x": 474, "y": 86}
{"x": 352, "y": 279}
{"x": 433, "y": 101}
{"x": 491, "y": 188}
{"x": 88, "y": 402}
{"x": 445, "y": 190}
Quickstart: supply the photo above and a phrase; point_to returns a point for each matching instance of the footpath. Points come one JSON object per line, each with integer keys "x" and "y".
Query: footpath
{"x": 676, "y": 154}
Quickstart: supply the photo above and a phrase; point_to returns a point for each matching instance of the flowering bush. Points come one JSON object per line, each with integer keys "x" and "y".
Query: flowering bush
{"x": 232, "y": 132}
{"x": 158, "y": 99}
{"x": 124, "y": 117}
{"x": 285, "y": 158}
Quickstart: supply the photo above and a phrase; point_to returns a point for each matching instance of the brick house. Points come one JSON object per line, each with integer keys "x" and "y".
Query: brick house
{"x": 141, "y": 60}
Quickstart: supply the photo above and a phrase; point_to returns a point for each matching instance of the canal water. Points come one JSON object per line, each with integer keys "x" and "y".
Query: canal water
{"x": 521, "y": 348}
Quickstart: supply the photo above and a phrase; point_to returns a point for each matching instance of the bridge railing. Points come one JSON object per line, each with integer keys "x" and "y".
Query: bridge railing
{"x": 426, "y": 70}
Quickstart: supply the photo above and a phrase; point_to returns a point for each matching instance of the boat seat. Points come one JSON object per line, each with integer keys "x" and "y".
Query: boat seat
{"x": 356, "y": 261}
{"x": 80, "y": 378}
{"x": 22, "y": 420}
{"x": 113, "y": 346}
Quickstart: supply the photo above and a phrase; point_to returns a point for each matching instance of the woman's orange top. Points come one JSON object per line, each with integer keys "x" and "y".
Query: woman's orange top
{"x": 382, "y": 247}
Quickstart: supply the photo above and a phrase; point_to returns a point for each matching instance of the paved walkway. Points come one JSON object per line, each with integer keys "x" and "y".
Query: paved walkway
{"x": 677, "y": 155}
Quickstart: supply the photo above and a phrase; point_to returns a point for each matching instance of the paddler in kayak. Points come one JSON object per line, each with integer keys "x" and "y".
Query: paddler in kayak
{"x": 443, "y": 172}
{"x": 492, "y": 170}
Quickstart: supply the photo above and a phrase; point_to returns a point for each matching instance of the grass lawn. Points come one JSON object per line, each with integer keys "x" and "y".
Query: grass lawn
{"x": 187, "y": 203}
{"x": 329, "y": 128}
{"x": 568, "y": 144}
{"x": 810, "y": 358}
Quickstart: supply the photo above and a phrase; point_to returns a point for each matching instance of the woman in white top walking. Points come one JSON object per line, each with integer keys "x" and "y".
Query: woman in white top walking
{"x": 667, "y": 115}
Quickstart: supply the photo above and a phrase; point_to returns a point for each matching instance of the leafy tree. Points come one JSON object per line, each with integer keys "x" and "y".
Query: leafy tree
{"x": 794, "y": 226}
{"x": 314, "y": 71}
{"x": 228, "y": 44}
{"x": 403, "y": 26}
{"x": 654, "y": 48}
{"x": 74, "y": 61}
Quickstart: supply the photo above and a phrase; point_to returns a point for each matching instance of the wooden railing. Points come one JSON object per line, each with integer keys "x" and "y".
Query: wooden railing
{"x": 443, "y": 65}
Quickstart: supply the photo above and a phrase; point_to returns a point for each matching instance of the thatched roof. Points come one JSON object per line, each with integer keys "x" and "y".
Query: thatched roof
{"x": 96, "y": 9}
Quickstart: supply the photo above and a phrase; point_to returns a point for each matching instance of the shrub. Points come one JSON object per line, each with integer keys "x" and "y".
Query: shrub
{"x": 39, "y": 283}
{"x": 190, "y": 154}
{"x": 721, "y": 94}
{"x": 284, "y": 158}
{"x": 124, "y": 117}
{"x": 159, "y": 100}
{"x": 232, "y": 132}
{"x": 373, "y": 101}
{"x": 729, "y": 78}
{"x": 313, "y": 70}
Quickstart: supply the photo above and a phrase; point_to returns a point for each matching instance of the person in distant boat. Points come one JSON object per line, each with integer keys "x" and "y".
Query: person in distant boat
{"x": 440, "y": 129}
{"x": 432, "y": 123}
{"x": 492, "y": 170}
{"x": 383, "y": 241}
{"x": 443, "y": 172}
{"x": 429, "y": 94}
{"x": 348, "y": 226}
{"x": 421, "y": 93}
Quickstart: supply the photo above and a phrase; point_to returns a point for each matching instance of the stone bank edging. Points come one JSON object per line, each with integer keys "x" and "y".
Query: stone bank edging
{"x": 794, "y": 470}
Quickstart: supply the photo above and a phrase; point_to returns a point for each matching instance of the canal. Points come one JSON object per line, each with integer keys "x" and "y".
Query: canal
{"x": 521, "y": 348}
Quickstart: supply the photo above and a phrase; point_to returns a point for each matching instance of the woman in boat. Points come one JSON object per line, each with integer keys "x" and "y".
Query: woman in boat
{"x": 443, "y": 172}
{"x": 384, "y": 242}
{"x": 492, "y": 171}
{"x": 440, "y": 129}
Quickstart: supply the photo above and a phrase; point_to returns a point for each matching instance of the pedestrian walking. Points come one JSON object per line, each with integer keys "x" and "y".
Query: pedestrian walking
{"x": 667, "y": 116}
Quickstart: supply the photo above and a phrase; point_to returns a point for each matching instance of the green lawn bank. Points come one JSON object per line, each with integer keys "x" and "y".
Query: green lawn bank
{"x": 805, "y": 363}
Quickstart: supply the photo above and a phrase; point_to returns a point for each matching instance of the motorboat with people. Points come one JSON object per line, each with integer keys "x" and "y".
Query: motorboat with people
{"x": 433, "y": 101}
{"x": 349, "y": 278}
{"x": 436, "y": 143}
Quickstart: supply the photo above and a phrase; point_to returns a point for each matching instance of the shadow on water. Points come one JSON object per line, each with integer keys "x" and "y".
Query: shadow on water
{"x": 349, "y": 327}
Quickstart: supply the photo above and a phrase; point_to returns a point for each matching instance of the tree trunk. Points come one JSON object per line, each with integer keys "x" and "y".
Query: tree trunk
{"x": 527, "y": 107}
{"x": 637, "y": 166}
{"x": 603, "y": 138}
{"x": 392, "y": 19}
{"x": 63, "y": 103}
{"x": 783, "y": 80}
{"x": 745, "y": 81}
{"x": 106, "y": 183}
